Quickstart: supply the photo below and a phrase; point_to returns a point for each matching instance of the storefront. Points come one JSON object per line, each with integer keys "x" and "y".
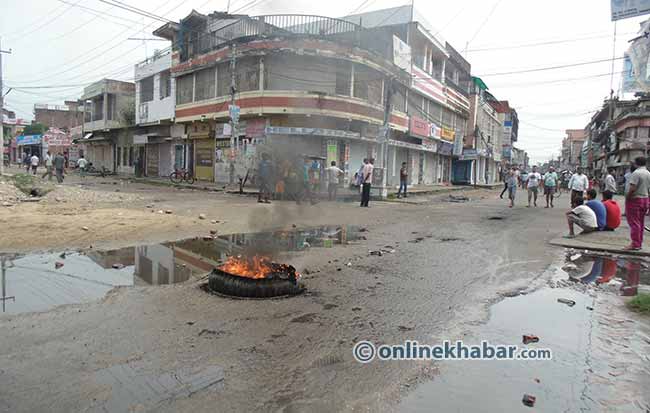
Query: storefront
{"x": 30, "y": 145}
{"x": 203, "y": 146}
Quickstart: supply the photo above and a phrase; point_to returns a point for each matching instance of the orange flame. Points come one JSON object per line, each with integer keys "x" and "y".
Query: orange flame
{"x": 254, "y": 267}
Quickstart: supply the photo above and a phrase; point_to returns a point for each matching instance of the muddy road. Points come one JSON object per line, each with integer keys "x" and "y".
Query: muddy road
{"x": 450, "y": 262}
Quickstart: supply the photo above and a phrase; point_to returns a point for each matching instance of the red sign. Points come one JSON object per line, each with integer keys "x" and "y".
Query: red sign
{"x": 420, "y": 127}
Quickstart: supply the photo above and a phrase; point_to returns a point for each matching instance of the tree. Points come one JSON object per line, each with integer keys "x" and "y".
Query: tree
{"x": 35, "y": 129}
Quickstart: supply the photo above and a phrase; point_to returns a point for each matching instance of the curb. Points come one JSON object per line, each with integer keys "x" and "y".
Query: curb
{"x": 577, "y": 244}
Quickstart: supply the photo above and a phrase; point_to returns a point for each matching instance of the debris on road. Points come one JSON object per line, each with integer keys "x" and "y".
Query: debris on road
{"x": 202, "y": 216}
{"x": 62, "y": 255}
{"x": 213, "y": 232}
{"x": 529, "y": 400}
{"x": 575, "y": 257}
{"x": 118, "y": 266}
{"x": 376, "y": 252}
{"x": 590, "y": 308}
{"x": 85, "y": 228}
{"x": 168, "y": 211}
{"x": 458, "y": 198}
{"x": 529, "y": 338}
{"x": 568, "y": 302}
{"x": 58, "y": 265}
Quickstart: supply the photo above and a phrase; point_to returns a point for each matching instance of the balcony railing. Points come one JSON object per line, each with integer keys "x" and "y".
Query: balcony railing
{"x": 270, "y": 25}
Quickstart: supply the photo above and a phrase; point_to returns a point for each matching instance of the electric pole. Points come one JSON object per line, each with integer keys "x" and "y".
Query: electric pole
{"x": 233, "y": 111}
{"x": 2, "y": 114}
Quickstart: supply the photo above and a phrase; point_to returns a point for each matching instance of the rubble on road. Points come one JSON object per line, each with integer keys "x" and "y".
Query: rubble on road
{"x": 9, "y": 194}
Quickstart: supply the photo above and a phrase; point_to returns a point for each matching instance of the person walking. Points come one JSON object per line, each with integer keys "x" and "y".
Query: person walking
{"x": 636, "y": 203}
{"x": 27, "y": 162}
{"x": 513, "y": 182}
{"x": 533, "y": 178}
{"x": 403, "y": 178}
{"x": 578, "y": 184}
{"x": 59, "y": 164}
{"x": 550, "y": 186}
{"x": 610, "y": 183}
{"x": 34, "y": 162}
{"x": 367, "y": 181}
{"x": 81, "y": 163}
{"x": 333, "y": 173}
{"x": 48, "y": 166}
{"x": 505, "y": 173}
{"x": 265, "y": 176}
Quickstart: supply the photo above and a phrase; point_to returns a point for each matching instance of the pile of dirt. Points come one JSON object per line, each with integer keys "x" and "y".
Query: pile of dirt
{"x": 81, "y": 195}
{"x": 9, "y": 194}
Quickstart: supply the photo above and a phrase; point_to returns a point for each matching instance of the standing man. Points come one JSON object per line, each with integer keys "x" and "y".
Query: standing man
{"x": 505, "y": 173}
{"x": 264, "y": 174}
{"x": 48, "y": 166}
{"x": 27, "y": 162}
{"x": 578, "y": 184}
{"x": 550, "y": 185}
{"x": 610, "y": 183}
{"x": 59, "y": 164}
{"x": 523, "y": 177}
{"x": 34, "y": 161}
{"x": 81, "y": 163}
{"x": 333, "y": 174}
{"x": 636, "y": 203}
{"x": 533, "y": 179}
{"x": 367, "y": 181}
{"x": 403, "y": 178}
{"x": 513, "y": 182}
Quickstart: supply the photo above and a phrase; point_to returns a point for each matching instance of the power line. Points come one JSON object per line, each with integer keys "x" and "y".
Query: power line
{"x": 496, "y": 4}
{"x": 30, "y": 24}
{"x": 39, "y": 27}
{"x": 536, "y": 44}
{"x": 100, "y": 13}
{"x": 540, "y": 69}
{"x": 136, "y": 10}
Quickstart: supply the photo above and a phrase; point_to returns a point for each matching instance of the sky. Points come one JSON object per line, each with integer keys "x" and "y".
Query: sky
{"x": 66, "y": 44}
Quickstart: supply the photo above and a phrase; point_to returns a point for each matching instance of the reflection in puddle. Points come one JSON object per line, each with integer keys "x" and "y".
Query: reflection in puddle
{"x": 35, "y": 282}
{"x": 622, "y": 274}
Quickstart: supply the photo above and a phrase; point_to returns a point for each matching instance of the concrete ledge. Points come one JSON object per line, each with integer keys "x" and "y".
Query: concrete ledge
{"x": 613, "y": 242}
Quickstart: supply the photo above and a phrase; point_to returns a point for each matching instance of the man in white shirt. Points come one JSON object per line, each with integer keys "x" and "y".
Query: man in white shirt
{"x": 578, "y": 184}
{"x": 34, "y": 162}
{"x": 367, "y": 180}
{"x": 333, "y": 173}
{"x": 48, "y": 166}
{"x": 610, "y": 183}
{"x": 582, "y": 216}
{"x": 81, "y": 163}
{"x": 533, "y": 179}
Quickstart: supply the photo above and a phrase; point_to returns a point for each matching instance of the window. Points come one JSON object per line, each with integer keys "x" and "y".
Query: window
{"x": 110, "y": 110}
{"x": 165, "y": 84}
{"x": 343, "y": 76}
{"x": 146, "y": 89}
{"x": 399, "y": 99}
{"x": 247, "y": 74}
{"x": 98, "y": 109}
{"x": 435, "y": 112}
{"x": 367, "y": 84}
{"x": 185, "y": 89}
{"x": 204, "y": 86}
{"x": 223, "y": 79}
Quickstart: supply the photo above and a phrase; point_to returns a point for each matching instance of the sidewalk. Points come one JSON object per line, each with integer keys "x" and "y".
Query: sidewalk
{"x": 614, "y": 242}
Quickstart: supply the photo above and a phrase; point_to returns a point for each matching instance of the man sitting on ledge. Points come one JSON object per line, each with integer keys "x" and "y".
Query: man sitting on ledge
{"x": 582, "y": 216}
{"x": 613, "y": 211}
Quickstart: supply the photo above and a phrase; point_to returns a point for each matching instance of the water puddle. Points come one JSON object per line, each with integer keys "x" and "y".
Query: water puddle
{"x": 599, "y": 352}
{"x": 39, "y": 282}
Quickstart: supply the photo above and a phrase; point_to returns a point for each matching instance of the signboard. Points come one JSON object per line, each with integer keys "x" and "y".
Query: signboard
{"x": 445, "y": 148}
{"x": 140, "y": 139}
{"x": 419, "y": 127}
{"x": 458, "y": 145}
{"x": 448, "y": 134}
{"x": 623, "y": 9}
{"x": 57, "y": 139}
{"x": 286, "y": 130}
{"x": 628, "y": 78}
{"x": 234, "y": 111}
{"x": 436, "y": 131}
{"x": 401, "y": 54}
{"x": 28, "y": 140}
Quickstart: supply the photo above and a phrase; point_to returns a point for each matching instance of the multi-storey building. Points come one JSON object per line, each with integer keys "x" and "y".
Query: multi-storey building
{"x": 572, "y": 148}
{"x": 155, "y": 97}
{"x": 331, "y": 89}
{"x": 64, "y": 117}
{"x": 108, "y": 120}
{"x": 510, "y": 122}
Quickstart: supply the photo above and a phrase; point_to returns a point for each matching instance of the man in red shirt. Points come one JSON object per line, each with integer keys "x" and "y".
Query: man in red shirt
{"x": 613, "y": 211}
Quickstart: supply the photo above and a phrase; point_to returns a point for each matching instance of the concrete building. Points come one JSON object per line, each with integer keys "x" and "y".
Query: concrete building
{"x": 64, "y": 117}
{"x": 572, "y": 148}
{"x": 155, "y": 97}
{"x": 12, "y": 127}
{"x": 109, "y": 117}
{"x": 317, "y": 86}
{"x": 509, "y": 120}
{"x": 480, "y": 159}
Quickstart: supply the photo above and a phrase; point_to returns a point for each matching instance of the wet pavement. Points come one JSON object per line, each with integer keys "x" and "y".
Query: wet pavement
{"x": 600, "y": 351}
{"x": 40, "y": 282}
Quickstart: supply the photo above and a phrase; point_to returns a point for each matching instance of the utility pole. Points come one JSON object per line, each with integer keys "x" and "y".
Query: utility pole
{"x": 384, "y": 134}
{"x": 3, "y": 283}
{"x": 2, "y": 115}
{"x": 234, "y": 114}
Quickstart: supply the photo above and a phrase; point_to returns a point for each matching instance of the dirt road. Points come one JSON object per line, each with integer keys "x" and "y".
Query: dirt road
{"x": 451, "y": 261}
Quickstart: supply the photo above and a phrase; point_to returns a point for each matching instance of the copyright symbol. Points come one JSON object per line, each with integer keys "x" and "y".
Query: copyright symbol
{"x": 364, "y": 351}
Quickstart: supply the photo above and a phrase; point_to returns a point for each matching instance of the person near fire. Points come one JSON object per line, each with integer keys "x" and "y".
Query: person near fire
{"x": 403, "y": 179}
{"x": 636, "y": 203}
{"x": 265, "y": 177}
{"x": 367, "y": 182}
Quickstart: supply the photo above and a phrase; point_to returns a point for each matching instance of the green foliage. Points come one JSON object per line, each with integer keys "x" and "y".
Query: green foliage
{"x": 35, "y": 129}
{"x": 30, "y": 185}
{"x": 640, "y": 303}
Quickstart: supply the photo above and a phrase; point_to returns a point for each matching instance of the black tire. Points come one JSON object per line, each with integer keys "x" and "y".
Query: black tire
{"x": 189, "y": 178}
{"x": 223, "y": 283}
{"x": 175, "y": 177}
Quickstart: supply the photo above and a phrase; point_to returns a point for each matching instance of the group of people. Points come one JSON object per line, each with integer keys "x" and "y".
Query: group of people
{"x": 594, "y": 215}
{"x": 532, "y": 182}
{"x": 53, "y": 164}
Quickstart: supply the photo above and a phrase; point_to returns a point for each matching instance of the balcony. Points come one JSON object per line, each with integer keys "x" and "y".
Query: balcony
{"x": 272, "y": 25}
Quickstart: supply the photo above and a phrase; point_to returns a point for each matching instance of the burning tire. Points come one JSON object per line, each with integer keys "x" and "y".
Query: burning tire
{"x": 255, "y": 278}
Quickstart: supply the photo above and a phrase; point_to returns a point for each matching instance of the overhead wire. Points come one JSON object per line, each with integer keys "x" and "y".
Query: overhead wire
{"x": 102, "y": 14}
{"x": 52, "y": 19}
{"x": 135, "y": 10}
{"x": 541, "y": 69}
